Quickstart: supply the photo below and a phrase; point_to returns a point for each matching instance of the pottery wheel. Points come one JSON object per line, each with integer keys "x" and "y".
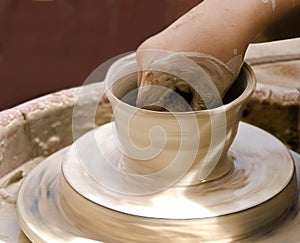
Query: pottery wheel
{"x": 61, "y": 200}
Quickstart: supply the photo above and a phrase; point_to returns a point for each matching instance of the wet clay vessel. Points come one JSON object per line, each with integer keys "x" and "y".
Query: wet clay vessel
{"x": 123, "y": 182}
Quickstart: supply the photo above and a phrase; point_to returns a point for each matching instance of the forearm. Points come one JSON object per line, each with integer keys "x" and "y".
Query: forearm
{"x": 224, "y": 28}
{"x": 220, "y": 28}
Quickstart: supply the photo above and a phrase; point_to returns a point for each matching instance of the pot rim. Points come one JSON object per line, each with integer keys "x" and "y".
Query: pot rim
{"x": 246, "y": 70}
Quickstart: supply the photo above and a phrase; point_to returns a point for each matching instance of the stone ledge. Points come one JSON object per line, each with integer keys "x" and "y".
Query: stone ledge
{"x": 276, "y": 110}
{"x": 42, "y": 126}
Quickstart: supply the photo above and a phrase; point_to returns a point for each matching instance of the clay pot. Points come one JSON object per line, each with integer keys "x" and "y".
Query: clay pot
{"x": 186, "y": 147}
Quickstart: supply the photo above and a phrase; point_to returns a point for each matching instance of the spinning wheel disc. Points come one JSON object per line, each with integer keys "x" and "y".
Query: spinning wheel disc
{"x": 68, "y": 203}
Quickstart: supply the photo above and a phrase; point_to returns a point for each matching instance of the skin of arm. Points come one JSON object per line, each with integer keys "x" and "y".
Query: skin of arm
{"x": 224, "y": 28}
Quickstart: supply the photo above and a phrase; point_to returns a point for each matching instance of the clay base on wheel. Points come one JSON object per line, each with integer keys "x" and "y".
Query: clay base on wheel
{"x": 68, "y": 204}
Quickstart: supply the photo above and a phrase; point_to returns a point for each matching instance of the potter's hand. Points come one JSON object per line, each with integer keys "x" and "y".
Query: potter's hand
{"x": 221, "y": 29}
{"x": 182, "y": 81}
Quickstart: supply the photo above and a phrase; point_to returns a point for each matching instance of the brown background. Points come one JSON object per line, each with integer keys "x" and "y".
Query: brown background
{"x": 50, "y": 45}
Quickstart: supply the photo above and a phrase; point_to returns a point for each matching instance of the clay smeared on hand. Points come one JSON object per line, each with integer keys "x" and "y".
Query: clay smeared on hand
{"x": 168, "y": 84}
{"x": 176, "y": 94}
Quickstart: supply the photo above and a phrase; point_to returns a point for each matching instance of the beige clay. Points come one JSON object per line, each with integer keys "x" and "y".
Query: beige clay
{"x": 75, "y": 200}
